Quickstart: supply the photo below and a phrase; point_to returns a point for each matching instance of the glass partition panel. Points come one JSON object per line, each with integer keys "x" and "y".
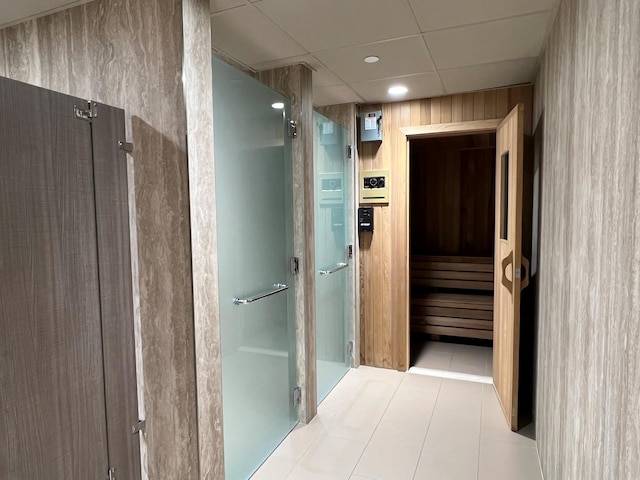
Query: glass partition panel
{"x": 254, "y": 192}
{"x": 332, "y": 235}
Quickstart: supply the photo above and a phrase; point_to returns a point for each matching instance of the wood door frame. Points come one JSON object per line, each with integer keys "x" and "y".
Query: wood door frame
{"x": 404, "y": 136}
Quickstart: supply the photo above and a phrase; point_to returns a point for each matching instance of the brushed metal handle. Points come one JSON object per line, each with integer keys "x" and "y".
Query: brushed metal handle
{"x": 337, "y": 268}
{"x": 277, "y": 288}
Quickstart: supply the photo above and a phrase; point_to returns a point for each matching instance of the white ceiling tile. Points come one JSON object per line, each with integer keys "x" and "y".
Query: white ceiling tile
{"x": 423, "y": 85}
{"x": 12, "y": 12}
{"x": 438, "y": 14}
{"x": 328, "y": 24}
{"x": 221, "y": 5}
{"x": 490, "y": 75}
{"x": 334, "y": 95}
{"x": 248, "y": 36}
{"x": 322, "y": 76}
{"x": 518, "y": 37}
{"x": 404, "y": 56}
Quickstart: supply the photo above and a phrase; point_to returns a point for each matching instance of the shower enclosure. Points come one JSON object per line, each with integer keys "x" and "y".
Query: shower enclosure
{"x": 333, "y": 234}
{"x": 254, "y": 195}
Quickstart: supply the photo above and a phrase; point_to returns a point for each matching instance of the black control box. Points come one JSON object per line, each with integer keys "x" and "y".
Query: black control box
{"x": 365, "y": 219}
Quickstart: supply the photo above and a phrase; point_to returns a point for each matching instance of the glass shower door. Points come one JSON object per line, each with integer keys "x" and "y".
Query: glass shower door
{"x": 254, "y": 192}
{"x": 332, "y": 235}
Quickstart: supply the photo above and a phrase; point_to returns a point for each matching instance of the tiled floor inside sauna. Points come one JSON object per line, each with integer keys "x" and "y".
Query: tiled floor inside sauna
{"x": 381, "y": 424}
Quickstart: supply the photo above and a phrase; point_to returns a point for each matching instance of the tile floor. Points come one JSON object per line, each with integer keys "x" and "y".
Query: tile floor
{"x": 381, "y": 424}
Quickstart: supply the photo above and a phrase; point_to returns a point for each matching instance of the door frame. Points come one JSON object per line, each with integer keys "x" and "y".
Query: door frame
{"x": 405, "y": 135}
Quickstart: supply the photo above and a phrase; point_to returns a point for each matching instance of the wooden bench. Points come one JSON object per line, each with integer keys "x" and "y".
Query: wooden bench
{"x": 452, "y": 296}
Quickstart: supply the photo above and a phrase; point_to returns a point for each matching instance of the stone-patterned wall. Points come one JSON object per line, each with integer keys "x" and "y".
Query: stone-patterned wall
{"x": 129, "y": 54}
{"x": 588, "y": 125}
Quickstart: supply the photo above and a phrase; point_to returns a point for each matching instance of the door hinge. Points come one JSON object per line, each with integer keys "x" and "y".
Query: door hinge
{"x": 138, "y": 427}
{"x": 294, "y": 265}
{"x": 89, "y": 113}
{"x": 296, "y": 396}
{"x": 126, "y": 146}
{"x": 349, "y": 151}
{"x": 292, "y": 128}
{"x": 350, "y": 251}
{"x": 350, "y": 348}
{"x": 111, "y": 474}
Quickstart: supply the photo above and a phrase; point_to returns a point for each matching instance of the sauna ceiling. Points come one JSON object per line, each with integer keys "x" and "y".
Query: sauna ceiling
{"x": 433, "y": 47}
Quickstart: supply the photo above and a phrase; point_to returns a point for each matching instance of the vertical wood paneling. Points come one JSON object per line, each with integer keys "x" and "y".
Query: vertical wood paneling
{"x": 384, "y": 254}
{"x": 587, "y": 132}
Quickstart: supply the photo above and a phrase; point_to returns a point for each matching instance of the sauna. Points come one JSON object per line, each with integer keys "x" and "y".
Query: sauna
{"x": 452, "y": 231}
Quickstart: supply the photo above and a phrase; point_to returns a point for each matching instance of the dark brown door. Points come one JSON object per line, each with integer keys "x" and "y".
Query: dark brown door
{"x": 63, "y": 248}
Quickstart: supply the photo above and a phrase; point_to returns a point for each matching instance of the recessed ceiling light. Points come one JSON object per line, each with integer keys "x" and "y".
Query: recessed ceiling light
{"x": 277, "y": 105}
{"x": 398, "y": 90}
{"x": 371, "y": 59}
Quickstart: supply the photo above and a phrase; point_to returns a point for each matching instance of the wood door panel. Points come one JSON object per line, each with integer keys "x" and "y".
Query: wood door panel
{"x": 508, "y": 244}
{"x": 52, "y": 415}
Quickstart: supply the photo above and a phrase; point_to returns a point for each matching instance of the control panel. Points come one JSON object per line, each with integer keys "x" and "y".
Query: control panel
{"x": 374, "y": 186}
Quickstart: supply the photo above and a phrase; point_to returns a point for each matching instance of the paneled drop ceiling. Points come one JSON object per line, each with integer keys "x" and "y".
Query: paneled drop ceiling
{"x": 433, "y": 47}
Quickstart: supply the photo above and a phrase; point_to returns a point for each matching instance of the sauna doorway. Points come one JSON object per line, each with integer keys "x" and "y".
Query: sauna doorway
{"x": 452, "y": 234}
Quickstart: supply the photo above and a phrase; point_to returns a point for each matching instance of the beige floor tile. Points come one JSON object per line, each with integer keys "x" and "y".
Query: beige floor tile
{"x": 451, "y": 447}
{"x": 508, "y": 461}
{"x": 329, "y": 458}
{"x": 494, "y": 424}
{"x": 359, "y": 477}
{"x": 469, "y": 359}
{"x": 300, "y": 439}
{"x": 276, "y": 467}
{"x": 414, "y": 400}
{"x": 393, "y": 452}
{"x": 358, "y": 418}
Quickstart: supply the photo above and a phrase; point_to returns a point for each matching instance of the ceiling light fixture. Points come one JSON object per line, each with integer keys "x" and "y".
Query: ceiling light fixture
{"x": 398, "y": 90}
{"x": 371, "y": 59}
{"x": 277, "y": 105}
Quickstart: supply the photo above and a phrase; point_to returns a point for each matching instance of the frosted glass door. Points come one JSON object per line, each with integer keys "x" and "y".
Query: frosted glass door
{"x": 255, "y": 242}
{"x": 332, "y": 236}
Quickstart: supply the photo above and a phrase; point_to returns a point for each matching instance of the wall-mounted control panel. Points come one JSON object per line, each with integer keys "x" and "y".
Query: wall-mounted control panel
{"x": 365, "y": 219}
{"x": 331, "y": 188}
{"x": 371, "y": 126}
{"x": 374, "y": 186}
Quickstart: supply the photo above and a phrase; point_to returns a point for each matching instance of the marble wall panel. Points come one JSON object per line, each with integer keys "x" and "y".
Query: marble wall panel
{"x": 199, "y": 100}
{"x": 588, "y": 131}
{"x": 129, "y": 54}
{"x": 295, "y": 82}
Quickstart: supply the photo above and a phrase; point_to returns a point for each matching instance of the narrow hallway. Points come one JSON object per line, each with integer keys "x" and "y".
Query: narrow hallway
{"x": 381, "y": 424}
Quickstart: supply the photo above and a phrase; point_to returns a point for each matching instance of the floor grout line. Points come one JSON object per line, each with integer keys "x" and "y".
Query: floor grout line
{"x": 377, "y": 425}
{"x": 424, "y": 440}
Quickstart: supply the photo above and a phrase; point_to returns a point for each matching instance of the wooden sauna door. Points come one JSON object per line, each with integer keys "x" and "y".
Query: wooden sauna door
{"x": 510, "y": 276}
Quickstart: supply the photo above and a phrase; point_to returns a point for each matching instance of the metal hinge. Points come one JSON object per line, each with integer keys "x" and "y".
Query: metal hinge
{"x": 294, "y": 265}
{"x": 350, "y": 251}
{"x": 111, "y": 474}
{"x": 350, "y": 349}
{"x": 138, "y": 427}
{"x": 126, "y": 146}
{"x": 89, "y": 113}
{"x": 349, "y": 151}
{"x": 292, "y": 129}
{"x": 296, "y": 396}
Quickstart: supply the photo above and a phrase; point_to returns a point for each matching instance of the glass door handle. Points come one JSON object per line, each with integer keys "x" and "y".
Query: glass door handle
{"x": 337, "y": 268}
{"x": 277, "y": 288}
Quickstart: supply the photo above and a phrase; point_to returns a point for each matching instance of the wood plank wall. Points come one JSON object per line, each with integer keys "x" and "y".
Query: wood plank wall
{"x": 384, "y": 254}
{"x": 588, "y": 144}
{"x": 452, "y": 196}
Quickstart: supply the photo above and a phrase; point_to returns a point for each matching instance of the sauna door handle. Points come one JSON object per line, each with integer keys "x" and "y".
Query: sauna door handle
{"x": 508, "y": 260}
